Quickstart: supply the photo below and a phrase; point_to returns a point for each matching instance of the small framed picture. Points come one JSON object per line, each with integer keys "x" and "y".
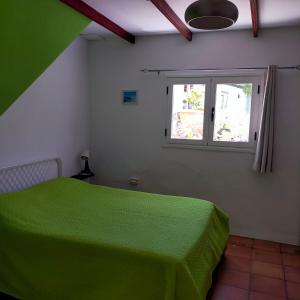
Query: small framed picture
{"x": 129, "y": 97}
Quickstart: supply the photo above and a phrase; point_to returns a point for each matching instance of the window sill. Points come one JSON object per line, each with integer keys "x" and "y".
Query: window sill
{"x": 208, "y": 148}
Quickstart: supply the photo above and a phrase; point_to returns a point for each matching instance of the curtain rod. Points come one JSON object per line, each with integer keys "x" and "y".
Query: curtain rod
{"x": 230, "y": 69}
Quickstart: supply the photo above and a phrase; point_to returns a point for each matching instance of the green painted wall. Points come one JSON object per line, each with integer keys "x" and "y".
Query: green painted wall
{"x": 32, "y": 34}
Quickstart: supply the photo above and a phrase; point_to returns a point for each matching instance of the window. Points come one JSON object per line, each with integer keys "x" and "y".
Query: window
{"x": 214, "y": 111}
{"x": 188, "y": 111}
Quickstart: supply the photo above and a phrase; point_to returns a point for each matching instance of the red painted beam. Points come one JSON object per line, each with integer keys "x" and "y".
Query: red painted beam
{"x": 169, "y": 13}
{"x": 99, "y": 18}
{"x": 255, "y": 17}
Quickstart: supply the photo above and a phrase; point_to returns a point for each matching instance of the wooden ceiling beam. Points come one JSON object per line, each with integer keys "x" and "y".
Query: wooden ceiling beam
{"x": 255, "y": 17}
{"x": 99, "y": 18}
{"x": 169, "y": 13}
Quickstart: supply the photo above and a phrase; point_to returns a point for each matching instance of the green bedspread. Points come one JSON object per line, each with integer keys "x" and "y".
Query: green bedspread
{"x": 66, "y": 239}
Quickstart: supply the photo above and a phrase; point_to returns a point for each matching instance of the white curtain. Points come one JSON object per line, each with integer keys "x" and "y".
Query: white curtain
{"x": 264, "y": 149}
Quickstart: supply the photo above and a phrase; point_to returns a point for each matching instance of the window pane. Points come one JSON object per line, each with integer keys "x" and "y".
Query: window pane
{"x": 232, "y": 112}
{"x": 188, "y": 111}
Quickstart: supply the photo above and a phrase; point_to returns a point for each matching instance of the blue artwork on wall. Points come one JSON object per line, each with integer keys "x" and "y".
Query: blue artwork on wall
{"x": 129, "y": 96}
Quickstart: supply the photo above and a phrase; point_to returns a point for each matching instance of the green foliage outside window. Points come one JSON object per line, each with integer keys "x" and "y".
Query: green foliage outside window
{"x": 247, "y": 89}
{"x": 196, "y": 99}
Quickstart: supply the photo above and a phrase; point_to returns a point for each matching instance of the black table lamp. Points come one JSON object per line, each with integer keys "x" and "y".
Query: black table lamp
{"x": 85, "y": 157}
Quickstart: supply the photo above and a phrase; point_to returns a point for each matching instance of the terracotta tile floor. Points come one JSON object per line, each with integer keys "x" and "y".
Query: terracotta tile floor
{"x": 257, "y": 270}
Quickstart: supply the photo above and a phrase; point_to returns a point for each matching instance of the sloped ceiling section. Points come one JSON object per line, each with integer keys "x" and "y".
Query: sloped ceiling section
{"x": 32, "y": 34}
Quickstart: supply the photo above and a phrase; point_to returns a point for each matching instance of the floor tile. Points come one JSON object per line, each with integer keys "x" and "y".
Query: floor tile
{"x": 234, "y": 278}
{"x": 241, "y": 241}
{"x": 239, "y": 251}
{"x": 266, "y": 245}
{"x": 291, "y": 260}
{"x": 292, "y": 274}
{"x": 266, "y": 269}
{"x": 267, "y": 256}
{"x": 236, "y": 263}
{"x": 293, "y": 290}
{"x": 260, "y": 296}
{"x": 224, "y": 292}
{"x": 291, "y": 249}
{"x": 267, "y": 285}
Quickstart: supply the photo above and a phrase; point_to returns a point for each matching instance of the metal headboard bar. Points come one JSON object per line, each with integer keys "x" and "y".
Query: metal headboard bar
{"x": 16, "y": 178}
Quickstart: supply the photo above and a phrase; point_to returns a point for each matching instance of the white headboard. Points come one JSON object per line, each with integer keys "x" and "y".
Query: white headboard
{"x": 17, "y": 178}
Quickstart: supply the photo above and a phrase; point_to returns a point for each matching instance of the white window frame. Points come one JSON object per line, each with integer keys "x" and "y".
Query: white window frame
{"x": 211, "y": 80}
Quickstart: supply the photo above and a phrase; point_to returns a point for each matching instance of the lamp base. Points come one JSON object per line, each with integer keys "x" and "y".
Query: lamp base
{"x": 86, "y": 171}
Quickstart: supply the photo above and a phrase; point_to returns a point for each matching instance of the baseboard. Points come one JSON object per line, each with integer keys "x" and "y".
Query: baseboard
{"x": 269, "y": 236}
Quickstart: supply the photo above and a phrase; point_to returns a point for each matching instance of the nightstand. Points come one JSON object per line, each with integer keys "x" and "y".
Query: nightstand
{"x": 82, "y": 176}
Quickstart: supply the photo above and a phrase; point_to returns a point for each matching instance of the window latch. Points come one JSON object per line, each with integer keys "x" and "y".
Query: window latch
{"x": 212, "y": 115}
{"x": 255, "y": 136}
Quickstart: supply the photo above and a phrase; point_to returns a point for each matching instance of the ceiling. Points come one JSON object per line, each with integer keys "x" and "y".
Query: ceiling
{"x": 141, "y": 17}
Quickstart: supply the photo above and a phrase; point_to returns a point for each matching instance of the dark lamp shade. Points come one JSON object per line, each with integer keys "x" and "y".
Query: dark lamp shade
{"x": 211, "y": 14}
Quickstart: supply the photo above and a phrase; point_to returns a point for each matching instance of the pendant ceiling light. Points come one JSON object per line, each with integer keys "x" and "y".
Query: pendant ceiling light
{"x": 211, "y": 14}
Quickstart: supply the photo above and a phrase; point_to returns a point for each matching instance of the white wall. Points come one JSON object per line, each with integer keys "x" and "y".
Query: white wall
{"x": 127, "y": 140}
{"x": 51, "y": 118}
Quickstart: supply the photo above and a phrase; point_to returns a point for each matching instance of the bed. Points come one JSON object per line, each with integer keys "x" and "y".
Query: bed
{"x": 68, "y": 239}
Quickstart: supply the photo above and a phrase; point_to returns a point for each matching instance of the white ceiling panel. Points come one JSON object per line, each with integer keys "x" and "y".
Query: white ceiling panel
{"x": 141, "y": 17}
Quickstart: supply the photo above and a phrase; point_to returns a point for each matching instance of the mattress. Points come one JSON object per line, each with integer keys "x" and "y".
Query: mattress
{"x": 67, "y": 239}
